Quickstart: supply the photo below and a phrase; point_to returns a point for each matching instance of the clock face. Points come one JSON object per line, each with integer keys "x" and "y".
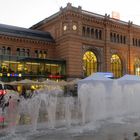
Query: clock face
{"x": 65, "y": 28}
{"x": 74, "y": 27}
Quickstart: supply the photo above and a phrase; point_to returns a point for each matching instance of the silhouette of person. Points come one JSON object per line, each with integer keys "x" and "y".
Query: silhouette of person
{"x": 136, "y": 135}
{"x": 24, "y": 92}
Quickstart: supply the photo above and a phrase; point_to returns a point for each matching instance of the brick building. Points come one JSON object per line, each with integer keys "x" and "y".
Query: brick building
{"x": 26, "y": 53}
{"x": 72, "y": 43}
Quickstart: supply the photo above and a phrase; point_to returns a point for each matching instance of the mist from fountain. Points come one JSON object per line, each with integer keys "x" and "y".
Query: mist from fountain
{"x": 103, "y": 99}
{"x": 68, "y": 110}
{"x": 98, "y": 99}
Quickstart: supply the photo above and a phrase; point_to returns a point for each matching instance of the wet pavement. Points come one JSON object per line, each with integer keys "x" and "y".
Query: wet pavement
{"x": 109, "y": 130}
{"x": 117, "y": 129}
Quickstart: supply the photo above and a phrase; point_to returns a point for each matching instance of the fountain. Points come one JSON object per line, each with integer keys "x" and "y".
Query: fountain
{"x": 101, "y": 102}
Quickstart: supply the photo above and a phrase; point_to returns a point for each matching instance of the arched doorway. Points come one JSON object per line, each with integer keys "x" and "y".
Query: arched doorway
{"x": 137, "y": 66}
{"x": 116, "y": 66}
{"x": 89, "y": 63}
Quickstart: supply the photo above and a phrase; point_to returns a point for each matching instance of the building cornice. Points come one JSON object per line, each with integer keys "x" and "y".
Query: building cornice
{"x": 69, "y": 10}
{"x": 25, "y": 40}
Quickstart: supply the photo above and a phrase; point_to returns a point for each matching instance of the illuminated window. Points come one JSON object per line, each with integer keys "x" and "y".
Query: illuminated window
{"x": 40, "y": 54}
{"x": 89, "y": 63}
{"x": 45, "y": 54}
{"x": 137, "y": 67}
{"x": 116, "y": 66}
{"x": 5, "y": 67}
{"x": 36, "y": 53}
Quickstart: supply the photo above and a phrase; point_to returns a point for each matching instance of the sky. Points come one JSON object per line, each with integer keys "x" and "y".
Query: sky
{"x": 25, "y": 13}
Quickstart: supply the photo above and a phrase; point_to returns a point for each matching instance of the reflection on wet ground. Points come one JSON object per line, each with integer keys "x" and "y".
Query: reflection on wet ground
{"x": 117, "y": 129}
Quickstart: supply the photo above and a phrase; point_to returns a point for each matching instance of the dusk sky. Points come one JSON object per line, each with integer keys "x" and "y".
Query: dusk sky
{"x": 25, "y": 13}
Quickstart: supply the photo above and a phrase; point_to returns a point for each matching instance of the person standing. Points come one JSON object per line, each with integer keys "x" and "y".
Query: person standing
{"x": 24, "y": 94}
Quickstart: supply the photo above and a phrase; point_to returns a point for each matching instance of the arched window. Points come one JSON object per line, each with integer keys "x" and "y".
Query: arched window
{"x": 114, "y": 37}
{"x": 118, "y": 40}
{"x": 23, "y": 52}
{"x": 9, "y": 51}
{"x": 124, "y": 39}
{"x": 88, "y": 32}
{"x": 116, "y": 66}
{"x": 27, "y": 52}
{"x": 45, "y": 54}
{"x": 18, "y": 51}
{"x": 111, "y": 37}
{"x": 36, "y": 53}
{"x": 121, "y": 39}
{"x": 139, "y": 42}
{"x": 3, "y": 50}
{"x": 89, "y": 63}
{"x": 0, "y": 50}
{"x": 40, "y": 54}
{"x": 96, "y": 33}
{"x": 137, "y": 66}
{"x": 92, "y": 33}
{"x": 100, "y": 34}
{"x": 133, "y": 42}
{"x": 84, "y": 31}
{"x": 136, "y": 42}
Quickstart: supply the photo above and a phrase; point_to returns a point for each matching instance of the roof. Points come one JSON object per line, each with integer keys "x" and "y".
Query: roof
{"x": 24, "y": 32}
{"x": 44, "y": 20}
{"x": 83, "y": 12}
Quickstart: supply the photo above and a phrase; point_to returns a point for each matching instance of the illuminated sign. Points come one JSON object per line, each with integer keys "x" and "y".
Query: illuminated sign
{"x": 55, "y": 76}
{"x": 8, "y": 74}
{"x": 20, "y": 75}
{"x": 16, "y": 75}
{"x": 11, "y": 75}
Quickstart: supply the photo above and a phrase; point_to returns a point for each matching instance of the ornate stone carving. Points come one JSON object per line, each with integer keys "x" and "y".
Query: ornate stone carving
{"x": 113, "y": 51}
{"x": 98, "y": 50}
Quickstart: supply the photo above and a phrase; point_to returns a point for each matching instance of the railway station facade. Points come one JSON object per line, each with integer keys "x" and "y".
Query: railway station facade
{"x": 72, "y": 43}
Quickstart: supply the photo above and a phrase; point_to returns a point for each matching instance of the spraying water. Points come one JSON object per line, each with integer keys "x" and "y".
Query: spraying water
{"x": 99, "y": 98}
